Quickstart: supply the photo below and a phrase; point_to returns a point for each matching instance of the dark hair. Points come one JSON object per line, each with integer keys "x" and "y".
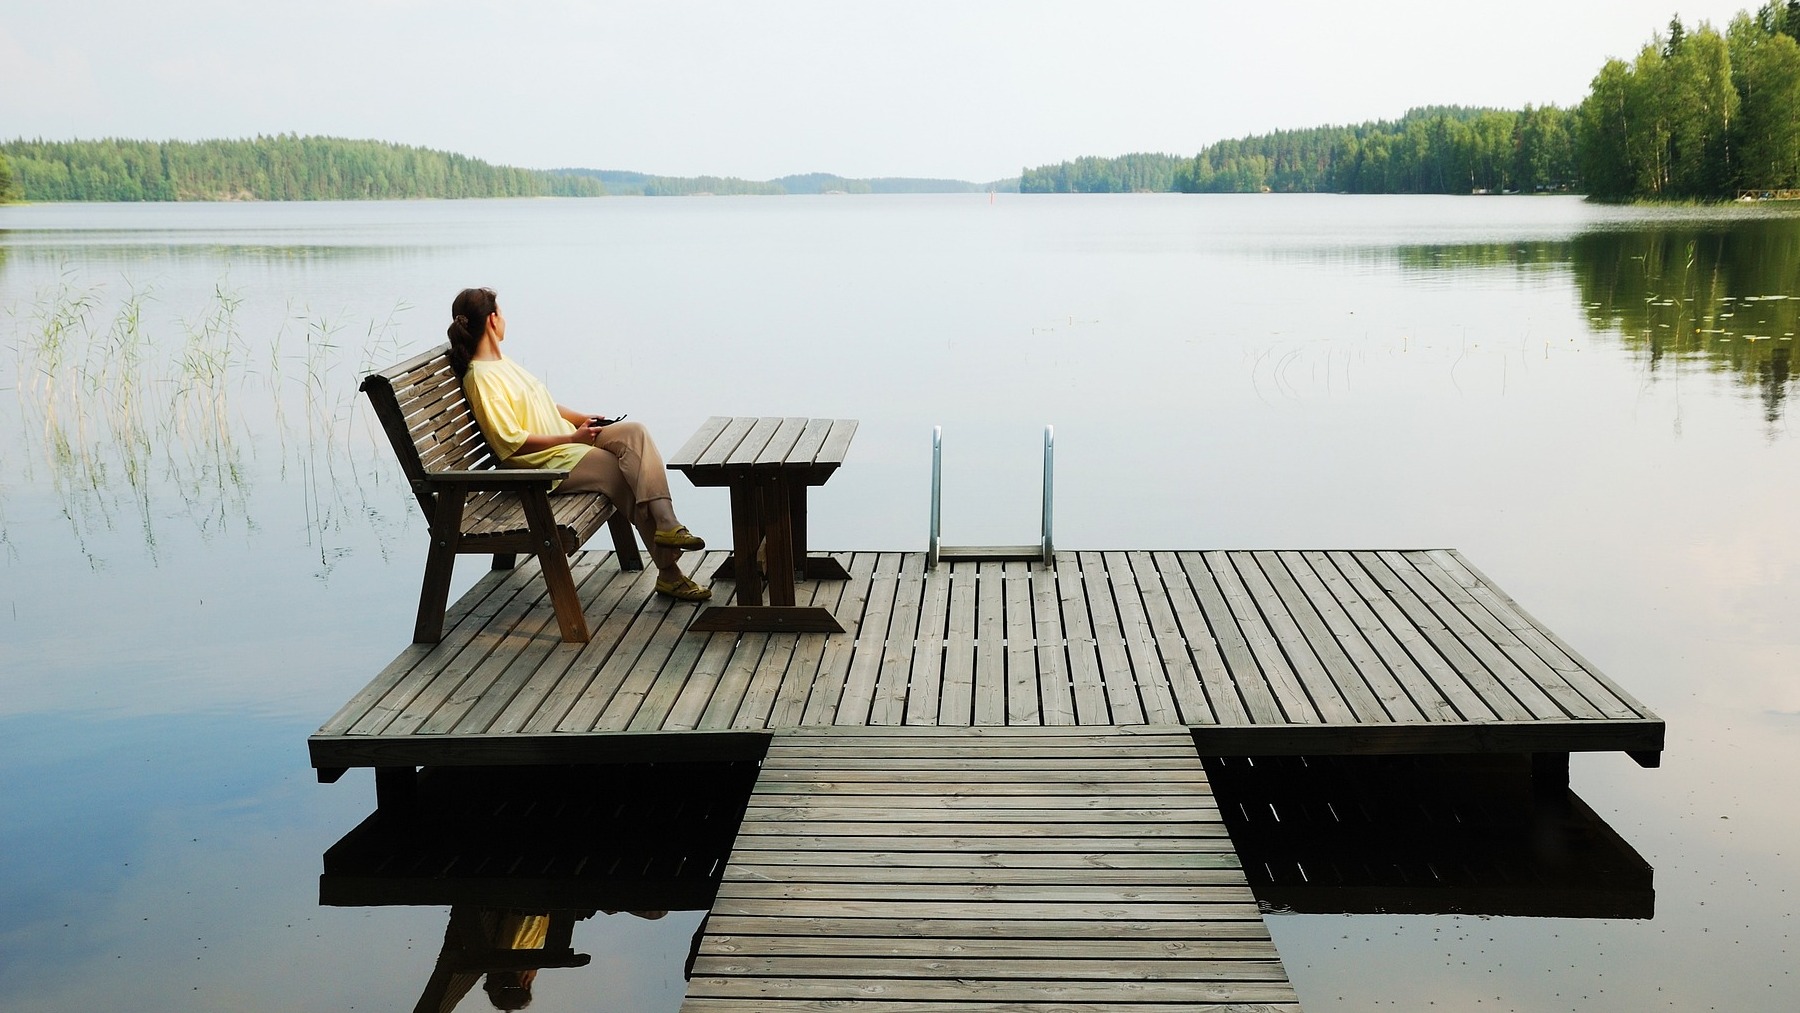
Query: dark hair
{"x": 469, "y": 312}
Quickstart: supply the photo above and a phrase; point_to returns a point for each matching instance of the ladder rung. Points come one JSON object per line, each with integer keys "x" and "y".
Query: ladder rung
{"x": 990, "y": 553}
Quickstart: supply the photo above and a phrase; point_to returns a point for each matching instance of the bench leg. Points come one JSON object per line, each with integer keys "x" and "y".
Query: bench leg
{"x": 440, "y": 561}
{"x": 625, "y": 547}
{"x": 555, "y": 564}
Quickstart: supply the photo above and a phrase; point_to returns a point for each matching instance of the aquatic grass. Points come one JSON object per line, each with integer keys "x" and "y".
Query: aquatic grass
{"x": 123, "y": 408}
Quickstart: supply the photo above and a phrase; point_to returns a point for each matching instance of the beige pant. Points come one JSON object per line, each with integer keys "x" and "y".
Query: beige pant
{"x": 625, "y": 465}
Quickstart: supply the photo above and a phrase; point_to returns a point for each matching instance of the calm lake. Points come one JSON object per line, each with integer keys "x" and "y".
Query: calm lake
{"x": 204, "y": 550}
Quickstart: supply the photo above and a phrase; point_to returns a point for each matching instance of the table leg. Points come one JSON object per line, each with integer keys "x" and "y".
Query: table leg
{"x": 822, "y": 568}
{"x": 746, "y": 536}
{"x": 778, "y": 556}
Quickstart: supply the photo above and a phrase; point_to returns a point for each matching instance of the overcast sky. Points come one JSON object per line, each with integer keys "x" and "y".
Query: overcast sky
{"x": 971, "y": 89}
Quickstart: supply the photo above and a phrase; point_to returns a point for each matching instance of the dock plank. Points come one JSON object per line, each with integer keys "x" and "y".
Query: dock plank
{"x": 956, "y": 697}
{"x": 990, "y": 644}
{"x": 894, "y": 676}
{"x": 925, "y": 695}
{"x": 837, "y": 896}
{"x": 1258, "y": 651}
{"x": 1052, "y": 648}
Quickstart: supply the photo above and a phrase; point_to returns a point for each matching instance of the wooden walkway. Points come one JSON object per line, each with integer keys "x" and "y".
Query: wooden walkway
{"x": 1002, "y": 869}
{"x": 1257, "y": 652}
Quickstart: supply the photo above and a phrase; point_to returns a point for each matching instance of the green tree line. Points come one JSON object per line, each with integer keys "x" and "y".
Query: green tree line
{"x": 278, "y": 167}
{"x": 1430, "y": 150}
{"x": 1698, "y": 114}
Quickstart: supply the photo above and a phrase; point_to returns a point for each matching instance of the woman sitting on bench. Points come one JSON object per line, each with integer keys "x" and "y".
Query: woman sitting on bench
{"x": 528, "y": 429}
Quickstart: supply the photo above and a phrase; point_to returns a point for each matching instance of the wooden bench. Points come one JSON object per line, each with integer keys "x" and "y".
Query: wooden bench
{"x": 474, "y": 505}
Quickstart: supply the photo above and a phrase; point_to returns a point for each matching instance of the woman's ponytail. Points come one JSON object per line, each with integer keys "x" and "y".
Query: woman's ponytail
{"x": 469, "y": 313}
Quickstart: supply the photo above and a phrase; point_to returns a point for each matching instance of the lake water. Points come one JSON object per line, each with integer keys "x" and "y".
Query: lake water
{"x": 204, "y": 551}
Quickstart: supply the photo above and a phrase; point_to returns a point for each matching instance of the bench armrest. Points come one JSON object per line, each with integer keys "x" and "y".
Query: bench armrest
{"x": 496, "y": 478}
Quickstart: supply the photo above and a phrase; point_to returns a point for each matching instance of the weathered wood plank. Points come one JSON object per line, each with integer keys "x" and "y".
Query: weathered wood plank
{"x": 803, "y": 670}
{"x": 647, "y": 670}
{"x": 1244, "y": 672}
{"x": 889, "y": 927}
{"x": 956, "y": 699}
{"x": 1052, "y": 650}
{"x": 926, "y": 693}
{"x": 1457, "y": 622}
{"x": 986, "y": 969}
{"x": 834, "y": 660}
{"x": 1086, "y": 683}
{"x": 1466, "y": 666}
{"x": 1171, "y": 645}
{"x": 1022, "y": 703}
{"x": 990, "y": 644}
{"x": 1612, "y": 701}
{"x": 1503, "y": 637}
{"x": 772, "y": 668}
{"x": 1109, "y": 642}
{"x": 697, "y": 444}
{"x": 963, "y": 991}
{"x": 989, "y": 947}
{"x": 1305, "y": 636}
{"x": 1147, "y": 668}
{"x": 987, "y": 875}
{"x": 461, "y": 623}
{"x": 492, "y": 684}
{"x": 894, "y": 676}
{"x": 872, "y": 642}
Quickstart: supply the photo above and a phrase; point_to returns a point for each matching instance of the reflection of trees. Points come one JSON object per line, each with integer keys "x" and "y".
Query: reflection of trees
{"x": 1725, "y": 294}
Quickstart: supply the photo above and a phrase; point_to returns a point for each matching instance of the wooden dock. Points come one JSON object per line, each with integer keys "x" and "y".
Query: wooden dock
{"x": 1257, "y": 653}
{"x": 925, "y": 869}
{"x": 986, "y": 793}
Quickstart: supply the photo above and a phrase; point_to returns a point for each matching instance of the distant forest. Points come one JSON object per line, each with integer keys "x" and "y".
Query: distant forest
{"x": 280, "y": 167}
{"x": 1434, "y": 150}
{"x": 1697, "y": 115}
{"x": 637, "y": 183}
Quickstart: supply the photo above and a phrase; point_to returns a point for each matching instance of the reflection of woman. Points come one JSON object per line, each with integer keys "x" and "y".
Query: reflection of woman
{"x": 528, "y": 429}
{"x": 475, "y": 939}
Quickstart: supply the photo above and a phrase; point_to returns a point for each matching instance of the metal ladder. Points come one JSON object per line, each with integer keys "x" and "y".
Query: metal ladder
{"x": 1041, "y": 552}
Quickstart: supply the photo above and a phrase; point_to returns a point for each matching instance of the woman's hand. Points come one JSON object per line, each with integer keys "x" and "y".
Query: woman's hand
{"x": 587, "y": 432}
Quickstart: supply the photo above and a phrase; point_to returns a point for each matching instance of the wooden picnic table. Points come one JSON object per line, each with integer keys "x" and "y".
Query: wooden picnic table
{"x": 768, "y": 463}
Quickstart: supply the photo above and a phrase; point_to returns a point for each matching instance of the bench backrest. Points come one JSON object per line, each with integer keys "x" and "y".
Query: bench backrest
{"x": 421, "y": 406}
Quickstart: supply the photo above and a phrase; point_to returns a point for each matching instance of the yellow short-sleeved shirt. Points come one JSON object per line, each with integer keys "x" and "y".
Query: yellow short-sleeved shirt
{"x": 511, "y": 404}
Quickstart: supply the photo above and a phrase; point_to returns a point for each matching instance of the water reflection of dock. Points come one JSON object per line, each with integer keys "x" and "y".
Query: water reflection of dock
{"x": 988, "y": 788}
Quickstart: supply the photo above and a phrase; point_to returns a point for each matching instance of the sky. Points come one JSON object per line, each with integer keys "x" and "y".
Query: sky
{"x": 972, "y": 89}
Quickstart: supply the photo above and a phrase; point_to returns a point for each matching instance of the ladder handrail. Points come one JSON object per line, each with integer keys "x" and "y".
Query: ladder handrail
{"x": 937, "y": 495}
{"x": 1046, "y": 541}
{"x": 1049, "y": 469}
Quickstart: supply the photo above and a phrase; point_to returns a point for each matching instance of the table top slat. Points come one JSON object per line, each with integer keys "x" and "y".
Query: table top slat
{"x": 838, "y": 443}
{"x": 698, "y": 443}
{"x": 747, "y": 452}
{"x": 726, "y": 443}
{"x": 780, "y": 448}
